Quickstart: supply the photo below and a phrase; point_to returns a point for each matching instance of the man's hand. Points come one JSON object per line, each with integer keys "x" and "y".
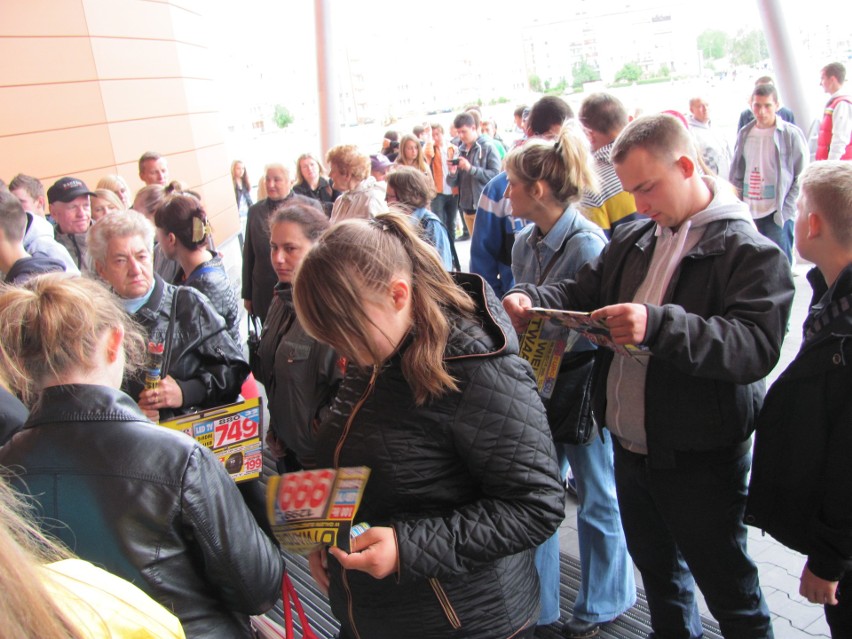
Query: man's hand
{"x": 464, "y": 165}
{"x": 374, "y": 552}
{"x": 167, "y": 395}
{"x": 626, "y": 322}
{"x": 816, "y": 590}
{"x": 318, "y": 563}
{"x": 516, "y": 306}
{"x": 247, "y": 305}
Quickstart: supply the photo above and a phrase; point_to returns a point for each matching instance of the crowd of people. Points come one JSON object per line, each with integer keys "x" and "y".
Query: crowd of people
{"x": 377, "y": 350}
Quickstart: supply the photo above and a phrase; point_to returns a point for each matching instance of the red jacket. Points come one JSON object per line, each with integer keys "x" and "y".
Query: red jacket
{"x": 825, "y": 130}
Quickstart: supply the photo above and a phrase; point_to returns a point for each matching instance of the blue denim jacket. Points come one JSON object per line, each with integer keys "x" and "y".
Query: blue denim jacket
{"x": 532, "y": 252}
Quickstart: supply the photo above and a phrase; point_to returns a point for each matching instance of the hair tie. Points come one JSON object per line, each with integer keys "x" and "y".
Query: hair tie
{"x": 200, "y": 229}
{"x": 558, "y": 146}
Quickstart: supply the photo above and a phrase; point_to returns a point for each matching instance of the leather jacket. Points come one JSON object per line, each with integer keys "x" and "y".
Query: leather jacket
{"x": 300, "y": 374}
{"x": 204, "y": 360}
{"x": 468, "y": 481}
{"x": 148, "y": 504}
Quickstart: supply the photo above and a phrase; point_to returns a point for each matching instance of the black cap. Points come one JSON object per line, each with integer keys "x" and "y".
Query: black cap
{"x": 67, "y": 189}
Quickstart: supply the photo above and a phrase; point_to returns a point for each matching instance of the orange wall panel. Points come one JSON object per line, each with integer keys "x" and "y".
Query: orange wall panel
{"x": 45, "y": 17}
{"x": 46, "y": 60}
{"x": 143, "y": 98}
{"x": 45, "y": 107}
{"x": 89, "y": 85}
{"x": 57, "y": 153}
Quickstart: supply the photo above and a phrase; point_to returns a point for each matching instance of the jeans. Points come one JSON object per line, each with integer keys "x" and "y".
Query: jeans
{"x": 547, "y": 567}
{"x": 446, "y": 207}
{"x": 685, "y": 525}
{"x": 782, "y": 236}
{"x": 607, "y": 587}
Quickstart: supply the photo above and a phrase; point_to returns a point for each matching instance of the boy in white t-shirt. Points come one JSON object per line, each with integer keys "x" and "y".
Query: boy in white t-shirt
{"x": 769, "y": 157}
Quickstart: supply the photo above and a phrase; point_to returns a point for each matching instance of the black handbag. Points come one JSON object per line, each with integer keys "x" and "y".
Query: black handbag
{"x": 253, "y": 341}
{"x": 569, "y": 408}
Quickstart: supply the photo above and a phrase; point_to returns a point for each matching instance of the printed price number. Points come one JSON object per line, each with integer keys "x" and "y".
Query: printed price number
{"x": 239, "y": 429}
{"x": 254, "y": 463}
{"x": 308, "y": 489}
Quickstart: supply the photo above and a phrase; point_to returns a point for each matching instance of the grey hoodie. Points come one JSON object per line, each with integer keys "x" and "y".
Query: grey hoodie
{"x": 39, "y": 241}
{"x": 625, "y": 413}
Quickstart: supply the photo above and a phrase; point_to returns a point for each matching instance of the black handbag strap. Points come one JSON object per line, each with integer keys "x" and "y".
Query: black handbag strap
{"x": 552, "y": 261}
{"x": 167, "y": 357}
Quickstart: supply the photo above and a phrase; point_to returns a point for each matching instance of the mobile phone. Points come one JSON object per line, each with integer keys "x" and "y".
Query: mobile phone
{"x": 455, "y": 161}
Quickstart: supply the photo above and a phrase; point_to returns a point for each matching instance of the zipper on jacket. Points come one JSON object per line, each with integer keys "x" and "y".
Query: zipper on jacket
{"x": 337, "y": 451}
{"x": 355, "y": 409}
{"x": 449, "y": 612}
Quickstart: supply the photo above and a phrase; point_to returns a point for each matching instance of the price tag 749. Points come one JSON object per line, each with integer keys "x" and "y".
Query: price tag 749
{"x": 234, "y": 431}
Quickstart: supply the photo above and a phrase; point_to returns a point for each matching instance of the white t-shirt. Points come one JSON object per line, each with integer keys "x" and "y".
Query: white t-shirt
{"x": 761, "y": 178}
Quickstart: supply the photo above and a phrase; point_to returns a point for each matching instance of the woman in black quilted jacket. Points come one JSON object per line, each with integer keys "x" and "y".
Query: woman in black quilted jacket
{"x": 437, "y": 403}
{"x": 184, "y": 235}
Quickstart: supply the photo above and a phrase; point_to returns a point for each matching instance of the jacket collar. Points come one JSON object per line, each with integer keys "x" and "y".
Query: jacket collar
{"x": 83, "y": 403}
{"x": 490, "y": 333}
{"x": 151, "y": 309}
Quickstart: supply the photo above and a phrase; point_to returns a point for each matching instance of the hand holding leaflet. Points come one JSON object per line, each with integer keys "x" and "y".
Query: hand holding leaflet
{"x": 596, "y": 327}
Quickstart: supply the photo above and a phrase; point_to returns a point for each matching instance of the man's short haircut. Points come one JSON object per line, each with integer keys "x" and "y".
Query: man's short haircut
{"x": 436, "y": 126}
{"x": 827, "y": 185}
{"x": 476, "y": 114}
{"x": 546, "y": 113}
{"x": 148, "y": 156}
{"x": 519, "y": 112}
{"x": 661, "y": 135}
{"x": 765, "y": 91}
{"x": 465, "y": 119}
{"x": 418, "y": 130}
{"x": 30, "y": 184}
{"x": 835, "y": 70}
{"x": 603, "y": 113}
{"x": 764, "y": 79}
{"x": 13, "y": 219}
{"x": 695, "y": 100}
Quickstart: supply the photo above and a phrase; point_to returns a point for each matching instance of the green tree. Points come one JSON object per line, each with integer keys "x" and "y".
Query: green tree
{"x": 714, "y": 44}
{"x": 535, "y": 83}
{"x": 282, "y": 116}
{"x": 664, "y": 71}
{"x": 749, "y": 47}
{"x": 584, "y": 72}
{"x": 630, "y": 72}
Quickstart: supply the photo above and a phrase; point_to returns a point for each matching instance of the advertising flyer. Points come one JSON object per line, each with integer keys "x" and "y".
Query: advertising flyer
{"x": 232, "y": 432}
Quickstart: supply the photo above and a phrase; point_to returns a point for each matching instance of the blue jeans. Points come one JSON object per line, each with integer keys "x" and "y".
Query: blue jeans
{"x": 686, "y": 522}
{"x": 782, "y": 236}
{"x": 607, "y": 587}
{"x": 547, "y": 566}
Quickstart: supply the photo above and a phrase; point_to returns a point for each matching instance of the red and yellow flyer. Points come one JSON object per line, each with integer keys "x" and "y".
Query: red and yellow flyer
{"x": 310, "y": 508}
{"x": 232, "y": 432}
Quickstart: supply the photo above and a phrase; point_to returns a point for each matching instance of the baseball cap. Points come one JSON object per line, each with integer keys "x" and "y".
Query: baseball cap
{"x": 379, "y": 162}
{"x": 67, "y": 189}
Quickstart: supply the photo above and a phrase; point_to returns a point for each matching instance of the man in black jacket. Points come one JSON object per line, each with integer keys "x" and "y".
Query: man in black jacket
{"x": 802, "y": 479}
{"x": 709, "y": 298}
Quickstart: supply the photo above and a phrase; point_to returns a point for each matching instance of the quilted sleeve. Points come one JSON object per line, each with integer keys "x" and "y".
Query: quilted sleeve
{"x": 500, "y": 429}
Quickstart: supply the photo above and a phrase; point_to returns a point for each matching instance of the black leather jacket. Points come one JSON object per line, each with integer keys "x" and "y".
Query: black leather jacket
{"x": 468, "y": 482}
{"x": 205, "y": 361}
{"x": 148, "y": 504}
{"x": 300, "y": 374}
